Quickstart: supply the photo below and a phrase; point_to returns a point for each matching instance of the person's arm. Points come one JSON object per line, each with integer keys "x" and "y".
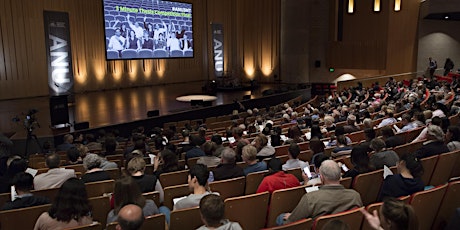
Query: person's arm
{"x": 301, "y": 211}
{"x": 130, "y": 23}
{"x": 159, "y": 188}
{"x": 372, "y": 219}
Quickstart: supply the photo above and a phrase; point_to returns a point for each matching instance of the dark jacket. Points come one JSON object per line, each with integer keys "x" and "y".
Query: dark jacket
{"x": 227, "y": 171}
{"x": 431, "y": 148}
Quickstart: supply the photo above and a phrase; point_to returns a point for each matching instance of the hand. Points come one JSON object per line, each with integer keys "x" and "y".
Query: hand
{"x": 286, "y": 216}
{"x": 156, "y": 163}
{"x": 305, "y": 178}
{"x": 372, "y": 219}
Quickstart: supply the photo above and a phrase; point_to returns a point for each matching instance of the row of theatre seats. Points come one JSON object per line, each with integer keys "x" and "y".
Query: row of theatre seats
{"x": 240, "y": 197}
{"x": 148, "y": 53}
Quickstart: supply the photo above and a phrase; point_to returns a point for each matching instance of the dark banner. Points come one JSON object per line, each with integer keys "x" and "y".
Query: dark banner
{"x": 57, "y": 37}
{"x": 218, "y": 48}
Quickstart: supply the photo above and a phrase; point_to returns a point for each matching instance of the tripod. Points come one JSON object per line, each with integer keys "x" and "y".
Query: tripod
{"x": 31, "y": 137}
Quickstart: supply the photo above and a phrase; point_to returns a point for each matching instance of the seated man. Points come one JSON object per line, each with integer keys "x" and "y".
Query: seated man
{"x": 317, "y": 203}
{"x": 195, "y": 150}
{"x": 228, "y": 168}
{"x": 249, "y": 156}
{"x": 435, "y": 143}
{"x": 293, "y": 162}
{"x": 277, "y": 179}
{"x": 381, "y": 156}
{"x": 197, "y": 182}
{"x": 55, "y": 176}
{"x": 23, "y": 183}
{"x": 130, "y": 217}
{"x": 212, "y": 214}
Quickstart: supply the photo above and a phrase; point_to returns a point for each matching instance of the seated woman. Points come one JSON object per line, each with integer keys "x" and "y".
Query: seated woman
{"x": 92, "y": 164}
{"x": 250, "y": 157}
{"x": 165, "y": 162}
{"x": 147, "y": 183}
{"x": 360, "y": 161}
{"x": 407, "y": 181}
{"x": 263, "y": 150}
{"x": 209, "y": 159}
{"x": 394, "y": 215}
{"x": 70, "y": 209}
{"x": 126, "y": 192}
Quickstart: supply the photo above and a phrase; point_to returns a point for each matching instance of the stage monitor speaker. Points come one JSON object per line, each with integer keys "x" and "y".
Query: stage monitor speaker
{"x": 317, "y": 63}
{"x": 59, "y": 110}
{"x": 153, "y": 113}
{"x": 207, "y": 103}
{"x": 81, "y": 125}
{"x": 196, "y": 102}
{"x": 247, "y": 97}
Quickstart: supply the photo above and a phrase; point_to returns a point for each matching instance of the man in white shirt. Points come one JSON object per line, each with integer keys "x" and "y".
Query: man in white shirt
{"x": 173, "y": 43}
{"x": 55, "y": 176}
{"x": 117, "y": 42}
{"x": 293, "y": 162}
{"x": 389, "y": 119}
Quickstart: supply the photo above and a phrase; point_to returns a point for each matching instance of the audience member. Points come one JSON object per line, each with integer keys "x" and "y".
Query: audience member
{"x": 407, "y": 181}
{"x": 70, "y": 208}
{"x": 212, "y": 214}
{"x": 146, "y": 182}
{"x": 209, "y": 159}
{"x": 360, "y": 161}
{"x": 453, "y": 138}
{"x": 165, "y": 162}
{"x": 253, "y": 165}
{"x": 197, "y": 183}
{"x": 314, "y": 204}
{"x": 293, "y": 161}
{"x": 393, "y": 215}
{"x": 263, "y": 149}
{"x": 389, "y": 137}
{"x": 388, "y": 120}
{"x": 195, "y": 150}
{"x": 276, "y": 178}
{"x": 68, "y": 143}
{"x": 130, "y": 217}
{"x": 228, "y": 168}
{"x": 92, "y": 164}
{"x": 127, "y": 192}
{"x": 55, "y": 176}
{"x": 23, "y": 183}
{"x": 380, "y": 156}
{"x": 217, "y": 145}
{"x": 434, "y": 144}
{"x": 14, "y": 165}
{"x": 73, "y": 156}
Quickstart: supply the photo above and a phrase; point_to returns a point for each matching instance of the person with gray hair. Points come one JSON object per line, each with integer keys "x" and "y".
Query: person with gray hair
{"x": 435, "y": 143}
{"x": 381, "y": 156}
{"x": 317, "y": 203}
{"x": 92, "y": 163}
{"x": 227, "y": 169}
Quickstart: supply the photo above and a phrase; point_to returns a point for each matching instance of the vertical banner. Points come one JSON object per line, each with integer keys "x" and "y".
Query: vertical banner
{"x": 59, "y": 56}
{"x": 218, "y": 49}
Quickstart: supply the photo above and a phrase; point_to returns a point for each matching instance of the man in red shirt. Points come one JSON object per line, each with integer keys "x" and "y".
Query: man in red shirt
{"x": 277, "y": 178}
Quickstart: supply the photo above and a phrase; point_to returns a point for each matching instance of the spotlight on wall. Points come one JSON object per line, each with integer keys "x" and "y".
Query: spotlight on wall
{"x": 397, "y": 5}
{"x": 377, "y": 5}
{"x": 351, "y": 6}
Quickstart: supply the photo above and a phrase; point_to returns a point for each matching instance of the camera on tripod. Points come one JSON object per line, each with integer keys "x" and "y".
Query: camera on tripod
{"x": 30, "y": 121}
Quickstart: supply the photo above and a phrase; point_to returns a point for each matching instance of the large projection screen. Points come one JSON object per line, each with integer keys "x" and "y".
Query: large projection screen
{"x": 143, "y": 29}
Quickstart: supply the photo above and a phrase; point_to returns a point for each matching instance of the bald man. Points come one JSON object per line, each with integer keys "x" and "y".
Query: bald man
{"x": 130, "y": 217}
{"x": 317, "y": 203}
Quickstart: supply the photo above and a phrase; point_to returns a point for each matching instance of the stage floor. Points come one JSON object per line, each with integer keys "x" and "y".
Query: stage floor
{"x": 114, "y": 106}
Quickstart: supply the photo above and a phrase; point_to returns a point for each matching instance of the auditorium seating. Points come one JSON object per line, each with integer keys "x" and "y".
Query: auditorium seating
{"x": 282, "y": 201}
{"x": 448, "y": 205}
{"x": 249, "y": 210}
{"x": 189, "y": 218}
{"x": 23, "y": 218}
{"x": 92, "y": 226}
{"x": 175, "y": 191}
{"x": 174, "y": 178}
{"x": 151, "y": 222}
{"x": 444, "y": 167}
{"x": 101, "y": 207}
{"x": 368, "y": 185}
{"x": 298, "y": 225}
{"x": 229, "y": 188}
{"x": 353, "y": 218}
{"x": 426, "y": 205}
{"x": 253, "y": 181}
{"x": 428, "y": 163}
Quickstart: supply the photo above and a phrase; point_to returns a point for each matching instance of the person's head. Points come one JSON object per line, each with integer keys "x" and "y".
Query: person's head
{"x": 453, "y": 133}
{"x": 294, "y": 132}
{"x": 342, "y": 140}
{"x": 195, "y": 140}
{"x": 435, "y": 133}
{"x": 367, "y": 122}
{"x": 130, "y": 217}
{"x": 110, "y": 145}
{"x": 294, "y": 150}
{"x": 212, "y": 210}
{"x": 127, "y": 191}
{"x": 90, "y": 137}
{"x": 198, "y": 176}
{"x": 406, "y": 119}
{"x": 377, "y": 145}
{"x": 15, "y": 166}
{"x": 132, "y": 34}
{"x": 92, "y": 161}
{"x": 71, "y": 202}
{"x": 351, "y": 119}
{"x": 73, "y": 154}
{"x": 319, "y": 160}
{"x": 135, "y": 165}
{"x": 53, "y": 160}
{"x": 328, "y": 121}
{"x": 330, "y": 172}
{"x": 68, "y": 138}
{"x": 228, "y": 156}
{"x": 316, "y": 145}
{"x": 274, "y": 165}
{"x": 23, "y": 182}
{"x": 260, "y": 141}
{"x": 369, "y": 133}
{"x": 237, "y": 132}
{"x": 397, "y": 215}
{"x": 117, "y": 32}
{"x": 249, "y": 153}
{"x": 316, "y": 131}
{"x": 207, "y": 148}
{"x": 410, "y": 163}
{"x": 387, "y": 131}
{"x": 359, "y": 157}
{"x": 217, "y": 139}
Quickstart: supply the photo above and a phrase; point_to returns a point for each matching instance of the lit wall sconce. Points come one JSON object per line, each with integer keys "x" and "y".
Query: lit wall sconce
{"x": 377, "y": 5}
{"x": 397, "y": 5}
{"x": 351, "y": 6}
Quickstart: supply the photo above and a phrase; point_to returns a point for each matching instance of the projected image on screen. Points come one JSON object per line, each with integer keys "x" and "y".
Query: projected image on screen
{"x": 139, "y": 29}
